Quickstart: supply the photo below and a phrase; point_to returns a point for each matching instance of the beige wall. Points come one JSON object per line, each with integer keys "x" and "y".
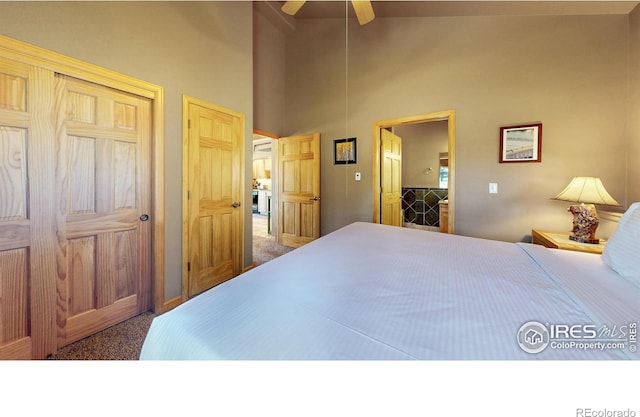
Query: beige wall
{"x": 268, "y": 76}
{"x": 201, "y": 49}
{"x": 633, "y": 162}
{"x": 570, "y": 73}
{"x": 422, "y": 144}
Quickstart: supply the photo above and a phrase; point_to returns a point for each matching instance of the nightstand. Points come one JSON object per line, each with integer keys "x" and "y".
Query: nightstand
{"x": 560, "y": 240}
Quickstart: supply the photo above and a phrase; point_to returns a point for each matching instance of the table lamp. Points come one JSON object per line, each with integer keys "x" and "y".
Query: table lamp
{"x": 587, "y": 191}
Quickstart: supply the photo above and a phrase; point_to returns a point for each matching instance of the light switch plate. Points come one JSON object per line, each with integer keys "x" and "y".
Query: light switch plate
{"x": 493, "y": 188}
{"x": 358, "y": 177}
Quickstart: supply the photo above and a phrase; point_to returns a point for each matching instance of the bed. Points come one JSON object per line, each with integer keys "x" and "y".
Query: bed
{"x": 375, "y": 292}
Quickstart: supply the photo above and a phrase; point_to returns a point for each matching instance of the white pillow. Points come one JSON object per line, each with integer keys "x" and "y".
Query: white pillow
{"x": 622, "y": 251}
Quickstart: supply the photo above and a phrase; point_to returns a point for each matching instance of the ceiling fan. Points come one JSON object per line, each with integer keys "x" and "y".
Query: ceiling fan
{"x": 363, "y": 9}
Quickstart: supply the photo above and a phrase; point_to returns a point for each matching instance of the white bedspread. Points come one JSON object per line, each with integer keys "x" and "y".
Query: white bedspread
{"x": 369, "y": 291}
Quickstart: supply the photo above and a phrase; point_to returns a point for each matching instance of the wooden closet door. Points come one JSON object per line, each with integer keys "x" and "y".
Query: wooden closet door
{"x": 15, "y": 221}
{"x": 27, "y": 215}
{"x": 103, "y": 204}
{"x": 75, "y": 179}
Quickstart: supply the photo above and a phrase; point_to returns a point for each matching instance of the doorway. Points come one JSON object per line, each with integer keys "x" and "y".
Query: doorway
{"x": 378, "y": 127}
{"x": 264, "y": 185}
{"x": 289, "y": 215}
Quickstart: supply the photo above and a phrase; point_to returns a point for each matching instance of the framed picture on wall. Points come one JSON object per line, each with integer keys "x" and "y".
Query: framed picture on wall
{"x": 344, "y": 151}
{"x": 521, "y": 143}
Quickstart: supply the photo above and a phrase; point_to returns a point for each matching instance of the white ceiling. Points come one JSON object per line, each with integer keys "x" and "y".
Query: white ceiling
{"x": 335, "y": 9}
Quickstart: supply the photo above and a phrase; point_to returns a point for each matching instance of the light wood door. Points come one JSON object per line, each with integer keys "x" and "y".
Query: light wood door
{"x": 299, "y": 189}
{"x": 75, "y": 177}
{"x": 27, "y": 231}
{"x": 215, "y": 212}
{"x": 103, "y": 205}
{"x": 391, "y": 178}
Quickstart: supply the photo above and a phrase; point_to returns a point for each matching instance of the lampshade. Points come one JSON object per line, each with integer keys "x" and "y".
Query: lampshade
{"x": 588, "y": 190}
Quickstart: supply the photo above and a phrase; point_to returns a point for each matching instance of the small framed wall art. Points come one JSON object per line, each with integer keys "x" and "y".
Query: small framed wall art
{"x": 521, "y": 143}
{"x": 344, "y": 151}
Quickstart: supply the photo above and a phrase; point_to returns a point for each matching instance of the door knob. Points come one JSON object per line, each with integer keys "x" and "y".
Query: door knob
{"x": 315, "y": 198}
{"x": 144, "y": 217}
{"x": 235, "y": 205}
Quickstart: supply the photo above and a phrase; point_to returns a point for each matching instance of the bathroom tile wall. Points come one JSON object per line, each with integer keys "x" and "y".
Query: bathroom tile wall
{"x": 421, "y": 206}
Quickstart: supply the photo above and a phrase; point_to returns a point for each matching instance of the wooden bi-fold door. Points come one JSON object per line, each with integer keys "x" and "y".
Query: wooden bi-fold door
{"x": 75, "y": 188}
{"x": 27, "y": 236}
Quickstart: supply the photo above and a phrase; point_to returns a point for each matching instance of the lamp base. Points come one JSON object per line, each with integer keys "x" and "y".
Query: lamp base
{"x": 585, "y": 223}
{"x": 581, "y": 240}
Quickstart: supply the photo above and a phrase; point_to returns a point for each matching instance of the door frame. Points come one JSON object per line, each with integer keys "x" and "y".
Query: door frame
{"x": 186, "y": 101}
{"x": 444, "y": 115}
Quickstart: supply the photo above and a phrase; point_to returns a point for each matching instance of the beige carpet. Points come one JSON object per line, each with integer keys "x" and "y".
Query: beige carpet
{"x": 120, "y": 342}
{"x": 266, "y": 249}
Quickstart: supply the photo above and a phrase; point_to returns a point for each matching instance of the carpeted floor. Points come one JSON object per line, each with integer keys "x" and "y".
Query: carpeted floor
{"x": 266, "y": 249}
{"x": 124, "y": 341}
{"x": 120, "y": 342}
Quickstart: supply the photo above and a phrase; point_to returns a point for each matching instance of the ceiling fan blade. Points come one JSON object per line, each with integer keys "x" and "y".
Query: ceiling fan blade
{"x": 364, "y": 11}
{"x": 292, "y": 7}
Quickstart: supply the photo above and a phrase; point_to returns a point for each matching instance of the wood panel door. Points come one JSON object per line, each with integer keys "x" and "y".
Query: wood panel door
{"x": 75, "y": 182}
{"x": 102, "y": 207}
{"x": 27, "y": 300}
{"x": 215, "y": 211}
{"x": 391, "y": 178}
{"x": 299, "y": 189}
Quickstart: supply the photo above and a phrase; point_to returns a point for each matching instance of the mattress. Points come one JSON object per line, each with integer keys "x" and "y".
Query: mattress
{"x": 375, "y": 292}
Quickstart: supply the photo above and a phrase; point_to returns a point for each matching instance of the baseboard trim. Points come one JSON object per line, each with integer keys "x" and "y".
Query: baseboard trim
{"x": 171, "y": 304}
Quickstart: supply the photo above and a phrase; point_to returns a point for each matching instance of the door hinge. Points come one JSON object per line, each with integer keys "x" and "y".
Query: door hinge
{"x": 189, "y": 195}
{"x": 188, "y": 266}
{"x": 188, "y": 123}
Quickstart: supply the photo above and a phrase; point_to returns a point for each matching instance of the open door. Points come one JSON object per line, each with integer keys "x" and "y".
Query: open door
{"x": 299, "y": 189}
{"x": 391, "y": 178}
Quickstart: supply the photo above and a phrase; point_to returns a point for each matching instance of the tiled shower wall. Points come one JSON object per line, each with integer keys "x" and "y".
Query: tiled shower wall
{"x": 421, "y": 206}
